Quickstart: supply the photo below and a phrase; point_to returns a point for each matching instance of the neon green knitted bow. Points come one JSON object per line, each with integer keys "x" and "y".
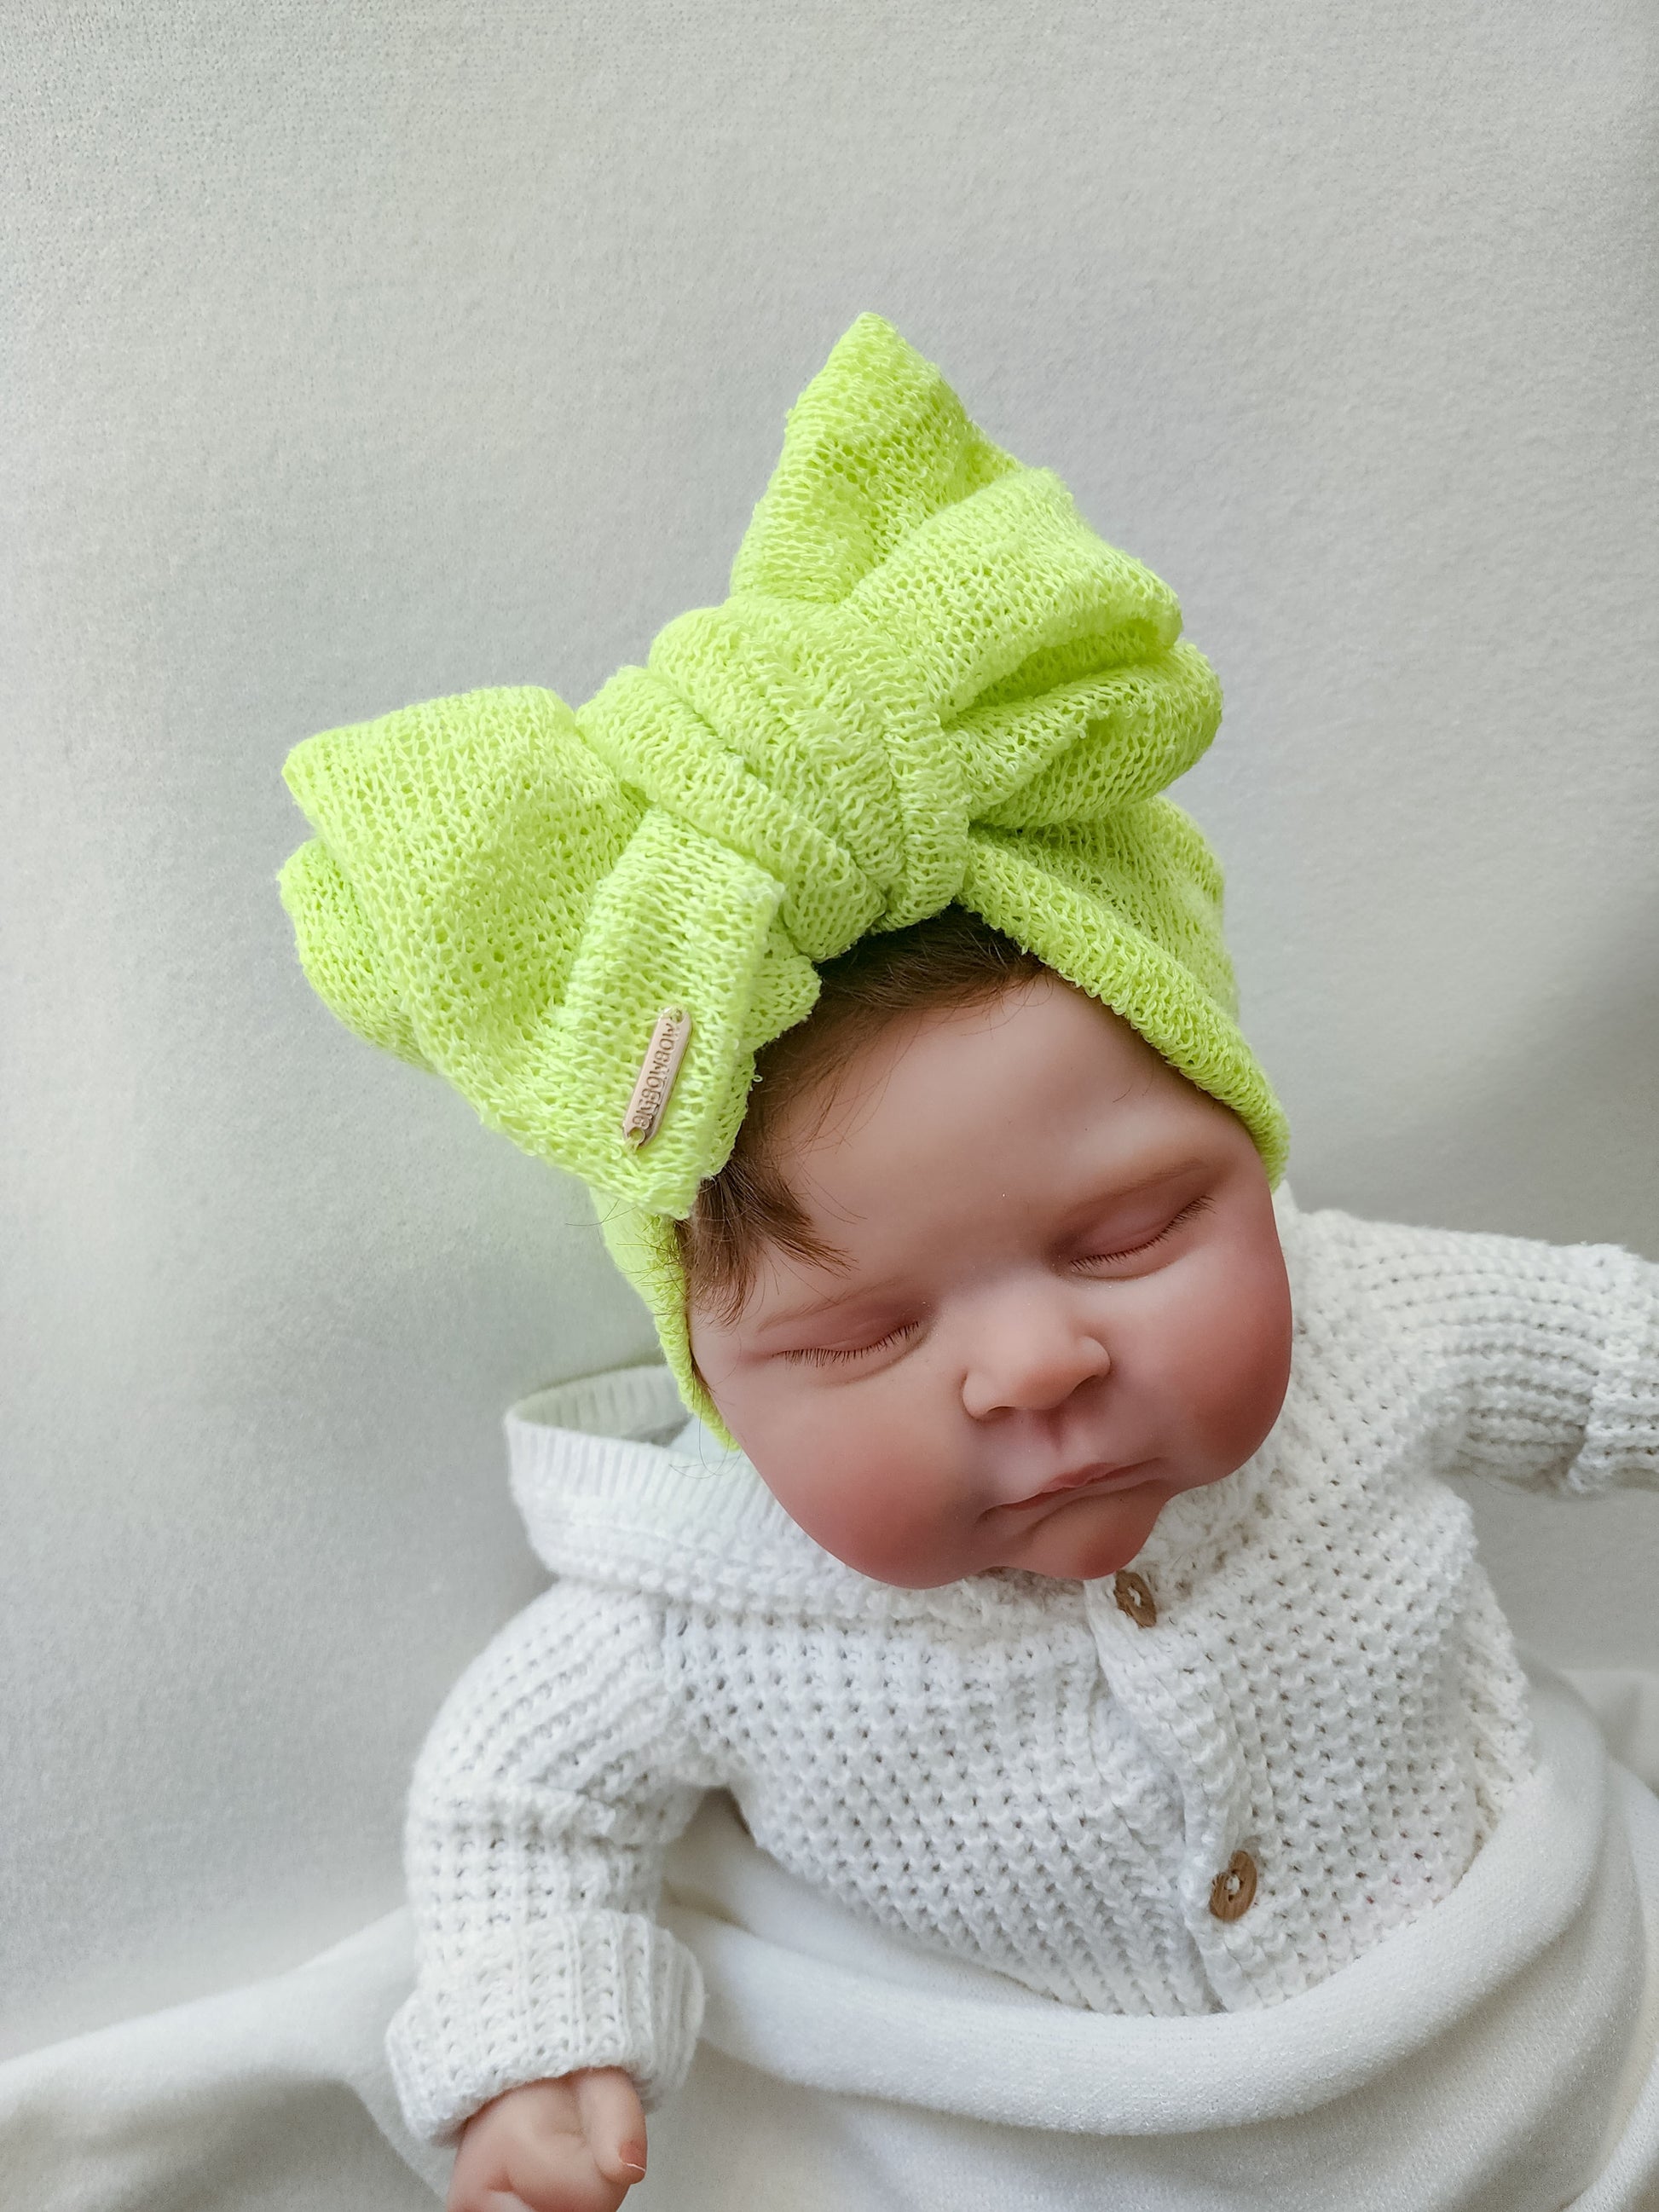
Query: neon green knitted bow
{"x": 931, "y": 682}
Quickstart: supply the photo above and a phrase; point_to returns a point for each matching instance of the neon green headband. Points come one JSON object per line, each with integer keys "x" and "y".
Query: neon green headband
{"x": 932, "y": 683}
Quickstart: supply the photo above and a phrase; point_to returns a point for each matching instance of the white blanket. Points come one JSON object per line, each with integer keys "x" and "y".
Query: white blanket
{"x": 1490, "y": 2058}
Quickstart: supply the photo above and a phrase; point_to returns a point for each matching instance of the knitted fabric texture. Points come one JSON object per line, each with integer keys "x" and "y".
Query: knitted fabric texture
{"x": 1012, "y": 1770}
{"x": 931, "y": 682}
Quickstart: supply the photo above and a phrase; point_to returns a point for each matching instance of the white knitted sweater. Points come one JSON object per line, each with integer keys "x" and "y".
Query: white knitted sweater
{"x": 1011, "y": 1769}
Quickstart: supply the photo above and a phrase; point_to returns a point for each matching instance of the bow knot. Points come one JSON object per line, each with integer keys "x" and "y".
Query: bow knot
{"x": 803, "y": 740}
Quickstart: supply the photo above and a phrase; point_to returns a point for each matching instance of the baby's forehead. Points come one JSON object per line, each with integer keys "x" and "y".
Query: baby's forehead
{"x": 1038, "y": 1093}
{"x": 916, "y": 1065}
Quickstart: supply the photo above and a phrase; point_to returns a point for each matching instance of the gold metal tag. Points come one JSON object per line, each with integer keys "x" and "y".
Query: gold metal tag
{"x": 663, "y": 1056}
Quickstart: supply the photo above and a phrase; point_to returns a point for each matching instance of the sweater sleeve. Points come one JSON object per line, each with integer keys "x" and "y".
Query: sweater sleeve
{"x": 1543, "y": 1358}
{"x": 553, "y": 1780}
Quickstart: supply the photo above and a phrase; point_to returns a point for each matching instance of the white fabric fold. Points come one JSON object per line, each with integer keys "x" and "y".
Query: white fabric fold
{"x": 231, "y": 2100}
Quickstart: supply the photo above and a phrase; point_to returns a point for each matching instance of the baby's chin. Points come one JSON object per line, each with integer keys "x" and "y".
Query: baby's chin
{"x": 1079, "y": 1541}
{"x": 1090, "y": 1537}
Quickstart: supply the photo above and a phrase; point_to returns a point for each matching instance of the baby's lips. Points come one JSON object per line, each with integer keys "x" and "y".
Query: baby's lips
{"x": 1097, "y": 1474}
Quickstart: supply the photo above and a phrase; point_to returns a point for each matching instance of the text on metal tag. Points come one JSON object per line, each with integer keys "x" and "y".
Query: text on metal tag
{"x": 663, "y": 1056}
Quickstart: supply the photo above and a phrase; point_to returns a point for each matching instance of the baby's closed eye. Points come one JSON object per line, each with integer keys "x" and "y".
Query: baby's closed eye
{"x": 826, "y": 1355}
{"x": 1133, "y": 1247}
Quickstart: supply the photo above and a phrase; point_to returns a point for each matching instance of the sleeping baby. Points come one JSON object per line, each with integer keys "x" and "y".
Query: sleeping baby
{"x": 1059, "y": 1570}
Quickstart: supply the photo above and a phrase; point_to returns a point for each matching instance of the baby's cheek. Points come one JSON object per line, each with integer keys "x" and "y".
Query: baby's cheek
{"x": 1240, "y": 1362}
{"x": 872, "y": 1503}
{"x": 875, "y": 1519}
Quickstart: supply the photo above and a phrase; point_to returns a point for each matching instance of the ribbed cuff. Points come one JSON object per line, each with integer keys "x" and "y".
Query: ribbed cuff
{"x": 1621, "y": 1443}
{"x": 590, "y": 1989}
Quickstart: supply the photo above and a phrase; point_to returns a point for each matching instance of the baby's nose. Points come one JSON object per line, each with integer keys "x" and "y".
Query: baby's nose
{"x": 1030, "y": 1360}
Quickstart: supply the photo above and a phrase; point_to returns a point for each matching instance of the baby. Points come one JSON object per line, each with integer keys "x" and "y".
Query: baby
{"x": 1080, "y": 1594}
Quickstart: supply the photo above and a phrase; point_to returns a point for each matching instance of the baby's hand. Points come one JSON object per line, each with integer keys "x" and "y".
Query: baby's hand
{"x": 573, "y": 2145}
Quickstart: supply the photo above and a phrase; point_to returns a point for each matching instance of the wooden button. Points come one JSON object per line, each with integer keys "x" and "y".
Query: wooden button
{"x": 1134, "y": 1598}
{"x": 1233, "y": 1891}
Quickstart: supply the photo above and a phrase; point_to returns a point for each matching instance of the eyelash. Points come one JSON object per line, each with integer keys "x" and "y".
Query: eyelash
{"x": 1133, "y": 1251}
{"x": 816, "y": 1355}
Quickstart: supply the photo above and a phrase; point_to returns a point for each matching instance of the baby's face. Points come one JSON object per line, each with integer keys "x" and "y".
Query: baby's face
{"x": 1060, "y": 1298}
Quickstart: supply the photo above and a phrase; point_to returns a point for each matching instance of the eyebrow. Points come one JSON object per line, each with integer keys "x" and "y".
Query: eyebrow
{"x": 1120, "y": 1193}
{"x": 814, "y": 1309}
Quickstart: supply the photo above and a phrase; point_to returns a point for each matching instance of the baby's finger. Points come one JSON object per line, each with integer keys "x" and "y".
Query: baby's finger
{"x": 613, "y": 2122}
{"x": 475, "y": 2186}
{"x": 528, "y": 2167}
{"x": 572, "y": 2184}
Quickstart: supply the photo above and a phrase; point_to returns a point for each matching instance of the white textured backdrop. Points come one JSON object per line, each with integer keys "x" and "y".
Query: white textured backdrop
{"x": 359, "y": 354}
